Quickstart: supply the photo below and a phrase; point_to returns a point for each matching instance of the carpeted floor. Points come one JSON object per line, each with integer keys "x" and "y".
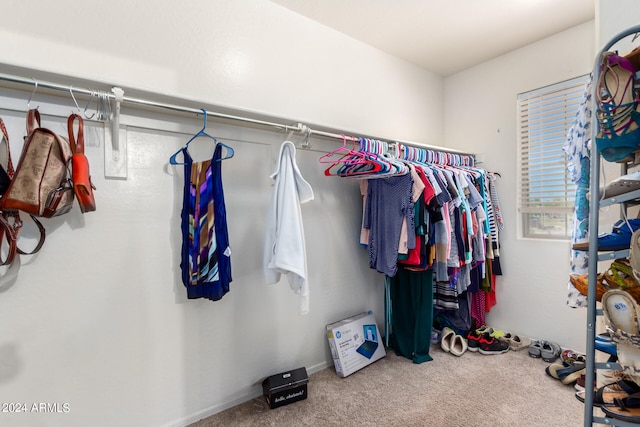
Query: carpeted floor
{"x": 510, "y": 389}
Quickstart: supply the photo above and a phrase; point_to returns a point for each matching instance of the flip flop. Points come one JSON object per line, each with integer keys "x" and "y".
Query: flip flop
{"x": 621, "y": 312}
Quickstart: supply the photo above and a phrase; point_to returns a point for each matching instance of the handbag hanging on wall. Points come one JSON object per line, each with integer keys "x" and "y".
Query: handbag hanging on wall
{"x": 42, "y": 183}
{"x": 82, "y": 185}
{"x": 10, "y": 222}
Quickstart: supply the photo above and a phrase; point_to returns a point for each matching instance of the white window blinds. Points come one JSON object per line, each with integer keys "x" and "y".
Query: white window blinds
{"x": 546, "y": 195}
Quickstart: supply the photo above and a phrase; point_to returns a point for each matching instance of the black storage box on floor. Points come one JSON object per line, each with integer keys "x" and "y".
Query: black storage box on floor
{"x": 285, "y": 387}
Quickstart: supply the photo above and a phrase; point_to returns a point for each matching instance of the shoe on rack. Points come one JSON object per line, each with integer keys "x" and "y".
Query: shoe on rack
{"x": 634, "y": 254}
{"x": 617, "y": 240}
{"x": 619, "y": 134}
{"x": 492, "y": 345}
{"x": 621, "y": 185}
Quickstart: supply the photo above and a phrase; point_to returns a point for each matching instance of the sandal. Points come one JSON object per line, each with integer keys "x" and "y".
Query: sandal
{"x": 621, "y": 312}
{"x": 602, "y": 396}
{"x": 619, "y": 134}
{"x": 624, "y": 408}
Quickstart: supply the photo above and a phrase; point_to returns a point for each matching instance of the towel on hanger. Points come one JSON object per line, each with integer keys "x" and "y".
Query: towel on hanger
{"x": 284, "y": 247}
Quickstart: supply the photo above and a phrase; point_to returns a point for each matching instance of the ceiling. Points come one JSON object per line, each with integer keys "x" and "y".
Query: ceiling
{"x": 446, "y": 36}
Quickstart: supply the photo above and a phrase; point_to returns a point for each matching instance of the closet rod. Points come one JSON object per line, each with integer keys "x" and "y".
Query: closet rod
{"x": 298, "y": 127}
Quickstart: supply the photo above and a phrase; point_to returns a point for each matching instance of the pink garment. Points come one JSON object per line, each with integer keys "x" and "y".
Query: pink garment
{"x": 477, "y": 308}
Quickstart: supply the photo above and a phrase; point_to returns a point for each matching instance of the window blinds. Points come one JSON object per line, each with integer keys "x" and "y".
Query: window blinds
{"x": 544, "y": 117}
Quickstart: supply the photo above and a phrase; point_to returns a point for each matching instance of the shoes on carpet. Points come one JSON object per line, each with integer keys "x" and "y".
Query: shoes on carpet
{"x": 473, "y": 340}
{"x": 496, "y": 333}
{"x": 550, "y": 351}
{"x": 545, "y": 350}
{"x": 452, "y": 342}
{"x": 567, "y": 373}
{"x": 517, "y": 342}
{"x": 572, "y": 356}
{"x": 458, "y": 345}
{"x": 492, "y": 345}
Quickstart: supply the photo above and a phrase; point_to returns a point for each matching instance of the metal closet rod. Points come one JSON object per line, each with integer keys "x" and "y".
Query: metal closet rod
{"x": 298, "y": 127}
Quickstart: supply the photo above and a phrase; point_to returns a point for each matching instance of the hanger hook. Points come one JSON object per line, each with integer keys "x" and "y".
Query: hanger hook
{"x": 86, "y": 107}
{"x": 35, "y": 87}
{"x": 204, "y": 120}
{"x": 307, "y": 134}
{"x": 74, "y": 98}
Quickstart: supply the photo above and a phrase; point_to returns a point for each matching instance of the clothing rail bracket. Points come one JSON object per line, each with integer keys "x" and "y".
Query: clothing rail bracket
{"x": 115, "y": 154}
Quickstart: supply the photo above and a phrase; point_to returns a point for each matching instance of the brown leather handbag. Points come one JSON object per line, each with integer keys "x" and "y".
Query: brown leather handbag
{"x": 82, "y": 185}
{"x": 10, "y": 221}
{"x": 42, "y": 183}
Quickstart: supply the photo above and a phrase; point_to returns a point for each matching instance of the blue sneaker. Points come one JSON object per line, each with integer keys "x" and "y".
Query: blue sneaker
{"x": 619, "y": 238}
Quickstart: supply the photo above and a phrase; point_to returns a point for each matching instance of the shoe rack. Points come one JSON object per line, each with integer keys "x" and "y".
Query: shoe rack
{"x": 594, "y": 209}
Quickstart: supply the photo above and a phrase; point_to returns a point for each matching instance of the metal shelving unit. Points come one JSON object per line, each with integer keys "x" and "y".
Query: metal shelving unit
{"x": 591, "y": 366}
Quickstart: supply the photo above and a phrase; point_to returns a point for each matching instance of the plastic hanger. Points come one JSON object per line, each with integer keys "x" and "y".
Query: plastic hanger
{"x": 201, "y": 133}
{"x": 230, "y": 152}
{"x": 348, "y": 155}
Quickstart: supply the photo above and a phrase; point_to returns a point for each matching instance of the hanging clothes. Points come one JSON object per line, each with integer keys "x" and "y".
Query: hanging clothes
{"x": 284, "y": 244}
{"x": 579, "y": 168}
{"x": 411, "y": 295}
{"x": 206, "y": 255}
{"x": 389, "y": 201}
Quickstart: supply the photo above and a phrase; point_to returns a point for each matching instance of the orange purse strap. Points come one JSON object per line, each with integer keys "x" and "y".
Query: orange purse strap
{"x": 77, "y": 146}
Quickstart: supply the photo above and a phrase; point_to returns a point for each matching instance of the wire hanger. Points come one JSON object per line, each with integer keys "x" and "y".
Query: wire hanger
{"x": 35, "y": 87}
{"x": 201, "y": 133}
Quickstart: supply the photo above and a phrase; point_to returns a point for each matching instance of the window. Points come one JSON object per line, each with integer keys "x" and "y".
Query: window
{"x": 546, "y": 194}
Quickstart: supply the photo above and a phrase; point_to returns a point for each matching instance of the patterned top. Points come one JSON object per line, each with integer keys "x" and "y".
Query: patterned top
{"x": 578, "y": 152}
{"x": 206, "y": 262}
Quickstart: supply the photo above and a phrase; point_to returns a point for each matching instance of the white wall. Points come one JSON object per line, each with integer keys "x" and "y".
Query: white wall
{"x": 480, "y": 116}
{"x": 99, "y": 319}
{"x": 248, "y": 54}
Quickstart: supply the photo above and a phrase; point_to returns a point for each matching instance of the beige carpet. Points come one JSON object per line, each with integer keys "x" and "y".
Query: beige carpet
{"x": 510, "y": 389}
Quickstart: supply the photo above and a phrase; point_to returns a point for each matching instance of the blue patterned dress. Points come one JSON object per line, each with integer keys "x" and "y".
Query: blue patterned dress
{"x": 578, "y": 150}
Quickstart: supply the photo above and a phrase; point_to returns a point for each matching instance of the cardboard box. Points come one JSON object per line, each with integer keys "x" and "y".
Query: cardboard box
{"x": 285, "y": 387}
{"x": 355, "y": 342}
